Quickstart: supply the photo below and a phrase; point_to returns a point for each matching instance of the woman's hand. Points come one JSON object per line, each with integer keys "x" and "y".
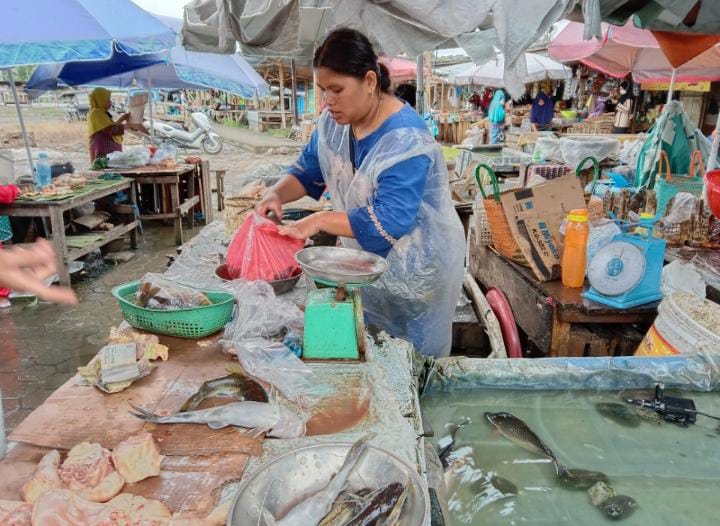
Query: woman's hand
{"x": 24, "y": 269}
{"x": 271, "y": 202}
{"x": 302, "y": 229}
{"x": 123, "y": 118}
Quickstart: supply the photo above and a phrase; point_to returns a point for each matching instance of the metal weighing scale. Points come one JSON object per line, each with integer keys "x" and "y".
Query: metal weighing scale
{"x": 334, "y": 327}
{"x": 626, "y": 272}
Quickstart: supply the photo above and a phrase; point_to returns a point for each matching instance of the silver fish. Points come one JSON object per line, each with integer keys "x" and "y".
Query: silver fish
{"x": 517, "y": 431}
{"x": 271, "y": 418}
{"x": 312, "y": 510}
{"x": 233, "y": 385}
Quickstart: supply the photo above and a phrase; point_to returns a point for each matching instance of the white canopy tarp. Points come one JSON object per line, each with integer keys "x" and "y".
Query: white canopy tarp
{"x": 293, "y": 27}
{"x": 491, "y": 73}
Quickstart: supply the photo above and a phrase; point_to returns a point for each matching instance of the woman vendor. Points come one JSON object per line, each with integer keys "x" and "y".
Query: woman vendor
{"x": 622, "y": 110}
{"x": 496, "y": 116}
{"x": 104, "y": 134}
{"x": 542, "y": 112}
{"x": 388, "y": 183}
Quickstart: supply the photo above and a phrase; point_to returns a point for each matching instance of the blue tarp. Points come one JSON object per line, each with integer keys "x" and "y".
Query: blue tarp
{"x": 45, "y": 31}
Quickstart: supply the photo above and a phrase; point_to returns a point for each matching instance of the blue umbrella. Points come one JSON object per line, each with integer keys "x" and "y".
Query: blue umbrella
{"x": 177, "y": 70}
{"x": 42, "y": 31}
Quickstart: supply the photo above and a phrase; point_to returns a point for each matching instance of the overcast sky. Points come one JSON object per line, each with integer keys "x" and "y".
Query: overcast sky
{"x": 172, "y": 8}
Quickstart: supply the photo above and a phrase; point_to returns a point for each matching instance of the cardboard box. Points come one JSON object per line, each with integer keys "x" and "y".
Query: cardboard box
{"x": 535, "y": 216}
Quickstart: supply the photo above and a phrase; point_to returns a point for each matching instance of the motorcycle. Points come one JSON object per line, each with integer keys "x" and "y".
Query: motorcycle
{"x": 201, "y": 136}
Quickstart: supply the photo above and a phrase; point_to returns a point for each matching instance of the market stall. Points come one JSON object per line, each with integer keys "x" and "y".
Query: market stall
{"x": 92, "y": 231}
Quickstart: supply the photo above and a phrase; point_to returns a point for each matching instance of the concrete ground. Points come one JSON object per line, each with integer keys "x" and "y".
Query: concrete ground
{"x": 42, "y": 345}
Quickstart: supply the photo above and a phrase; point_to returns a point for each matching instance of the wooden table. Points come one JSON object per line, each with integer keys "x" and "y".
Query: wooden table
{"x": 197, "y": 179}
{"x": 56, "y": 209}
{"x": 556, "y": 318}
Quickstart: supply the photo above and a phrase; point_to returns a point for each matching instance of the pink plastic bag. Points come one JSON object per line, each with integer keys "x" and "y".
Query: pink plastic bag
{"x": 259, "y": 252}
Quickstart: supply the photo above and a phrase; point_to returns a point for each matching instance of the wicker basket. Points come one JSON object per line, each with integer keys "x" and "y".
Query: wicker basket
{"x": 502, "y": 238}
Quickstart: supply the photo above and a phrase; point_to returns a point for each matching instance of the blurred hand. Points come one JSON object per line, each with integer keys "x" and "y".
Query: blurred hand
{"x": 124, "y": 117}
{"x": 302, "y": 229}
{"x": 270, "y": 203}
{"x": 24, "y": 269}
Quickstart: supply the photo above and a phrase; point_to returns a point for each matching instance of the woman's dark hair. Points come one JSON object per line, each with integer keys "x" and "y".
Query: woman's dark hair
{"x": 349, "y": 52}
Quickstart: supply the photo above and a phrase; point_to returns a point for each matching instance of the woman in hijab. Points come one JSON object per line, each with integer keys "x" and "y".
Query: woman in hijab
{"x": 622, "y": 110}
{"x": 104, "y": 134}
{"x": 496, "y": 116}
{"x": 542, "y": 112}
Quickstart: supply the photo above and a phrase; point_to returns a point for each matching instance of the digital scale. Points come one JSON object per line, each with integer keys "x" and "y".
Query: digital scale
{"x": 626, "y": 272}
{"x": 334, "y": 325}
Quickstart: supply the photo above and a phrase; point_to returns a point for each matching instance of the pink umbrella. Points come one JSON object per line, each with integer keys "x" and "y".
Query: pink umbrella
{"x": 627, "y": 50}
{"x": 401, "y": 70}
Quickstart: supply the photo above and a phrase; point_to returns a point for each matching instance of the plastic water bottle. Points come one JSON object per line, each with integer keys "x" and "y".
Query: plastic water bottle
{"x": 43, "y": 175}
{"x": 574, "y": 257}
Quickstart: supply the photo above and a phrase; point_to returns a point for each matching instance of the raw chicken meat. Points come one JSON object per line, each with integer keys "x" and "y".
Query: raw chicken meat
{"x": 44, "y": 479}
{"x": 15, "y": 513}
{"x": 140, "y": 506}
{"x": 88, "y": 470}
{"x": 65, "y": 508}
{"x": 137, "y": 458}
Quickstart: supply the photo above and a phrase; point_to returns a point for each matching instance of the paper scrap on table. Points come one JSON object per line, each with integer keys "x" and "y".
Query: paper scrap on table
{"x": 118, "y": 362}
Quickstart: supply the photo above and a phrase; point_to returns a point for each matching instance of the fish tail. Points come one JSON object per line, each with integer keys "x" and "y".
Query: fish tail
{"x": 143, "y": 414}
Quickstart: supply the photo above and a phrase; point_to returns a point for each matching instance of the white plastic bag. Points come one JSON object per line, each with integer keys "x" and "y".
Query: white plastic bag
{"x": 165, "y": 152}
{"x": 276, "y": 364}
{"x": 682, "y": 277}
{"x": 259, "y": 313}
{"x": 129, "y": 158}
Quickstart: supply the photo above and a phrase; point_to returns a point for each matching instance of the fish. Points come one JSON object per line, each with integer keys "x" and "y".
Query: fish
{"x": 346, "y": 506}
{"x": 517, "y": 431}
{"x": 446, "y": 450}
{"x": 312, "y": 510}
{"x": 381, "y": 503}
{"x": 261, "y": 417}
{"x": 620, "y": 414}
{"x": 393, "y": 518}
{"x": 231, "y": 386}
{"x": 618, "y": 507}
{"x": 579, "y": 478}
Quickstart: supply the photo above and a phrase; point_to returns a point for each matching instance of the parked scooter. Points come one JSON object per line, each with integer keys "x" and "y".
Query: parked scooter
{"x": 201, "y": 136}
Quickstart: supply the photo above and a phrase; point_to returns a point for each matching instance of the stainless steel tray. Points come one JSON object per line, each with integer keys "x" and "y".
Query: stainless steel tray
{"x": 341, "y": 266}
{"x": 298, "y": 474}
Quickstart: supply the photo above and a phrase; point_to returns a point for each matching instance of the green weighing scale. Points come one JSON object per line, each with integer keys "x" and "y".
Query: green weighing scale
{"x": 334, "y": 327}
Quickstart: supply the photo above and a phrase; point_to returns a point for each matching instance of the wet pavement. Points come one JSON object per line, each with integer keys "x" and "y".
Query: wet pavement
{"x": 43, "y": 344}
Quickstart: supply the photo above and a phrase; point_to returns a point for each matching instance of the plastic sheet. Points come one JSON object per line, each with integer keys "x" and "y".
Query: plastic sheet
{"x": 575, "y": 150}
{"x": 129, "y": 158}
{"x": 159, "y": 293}
{"x": 681, "y": 210}
{"x": 695, "y": 371}
{"x": 277, "y": 365}
{"x": 259, "y": 313}
{"x": 258, "y": 251}
{"x": 682, "y": 277}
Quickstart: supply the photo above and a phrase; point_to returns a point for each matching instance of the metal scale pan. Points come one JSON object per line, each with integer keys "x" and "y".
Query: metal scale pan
{"x": 341, "y": 267}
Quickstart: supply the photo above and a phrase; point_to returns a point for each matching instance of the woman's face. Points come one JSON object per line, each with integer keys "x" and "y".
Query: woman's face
{"x": 347, "y": 98}
{"x": 541, "y": 102}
